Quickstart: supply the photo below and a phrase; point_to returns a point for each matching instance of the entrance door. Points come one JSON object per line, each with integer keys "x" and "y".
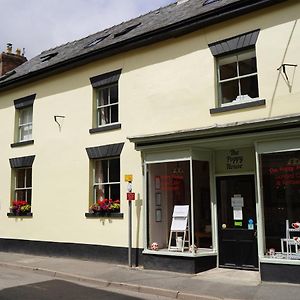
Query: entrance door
{"x": 237, "y": 222}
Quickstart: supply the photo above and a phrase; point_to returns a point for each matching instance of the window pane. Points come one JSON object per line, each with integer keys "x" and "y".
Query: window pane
{"x": 247, "y": 66}
{"x": 114, "y": 94}
{"x": 26, "y": 132}
{"x": 28, "y": 196}
{"x": 114, "y": 113}
{"x": 229, "y": 91}
{"x": 249, "y": 86}
{"x": 25, "y": 115}
{"x": 20, "y": 195}
{"x": 228, "y": 71}
{"x": 103, "y": 97}
{"x": 20, "y": 178}
{"x": 28, "y": 177}
{"x": 114, "y": 170}
{"x": 115, "y": 192}
{"x": 104, "y": 116}
{"x": 101, "y": 174}
{"x": 100, "y": 193}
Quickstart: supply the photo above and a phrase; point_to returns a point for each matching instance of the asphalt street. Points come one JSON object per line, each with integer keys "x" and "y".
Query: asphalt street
{"x": 18, "y": 284}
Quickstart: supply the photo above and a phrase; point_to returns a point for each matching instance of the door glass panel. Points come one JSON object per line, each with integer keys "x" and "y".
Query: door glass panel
{"x": 237, "y": 201}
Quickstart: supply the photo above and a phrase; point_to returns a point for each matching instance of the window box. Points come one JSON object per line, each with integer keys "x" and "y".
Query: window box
{"x": 20, "y": 208}
{"x": 105, "y": 206}
{"x": 11, "y": 214}
{"x": 115, "y": 215}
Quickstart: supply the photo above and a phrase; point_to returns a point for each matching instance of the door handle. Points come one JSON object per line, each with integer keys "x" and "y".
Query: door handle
{"x": 255, "y": 233}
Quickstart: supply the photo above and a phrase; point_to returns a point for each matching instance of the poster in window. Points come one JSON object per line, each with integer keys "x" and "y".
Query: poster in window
{"x": 158, "y": 215}
{"x": 157, "y": 182}
{"x": 158, "y": 199}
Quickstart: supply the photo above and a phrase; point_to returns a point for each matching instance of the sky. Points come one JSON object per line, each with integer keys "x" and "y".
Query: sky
{"x": 39, "y": 25}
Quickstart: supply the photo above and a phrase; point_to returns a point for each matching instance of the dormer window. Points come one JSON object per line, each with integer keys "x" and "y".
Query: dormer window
{"x": 97, "y": 41}
{"x": 126, "y": 30}
{"x": 207, "y": 2}
{"x": 48, "y": 56}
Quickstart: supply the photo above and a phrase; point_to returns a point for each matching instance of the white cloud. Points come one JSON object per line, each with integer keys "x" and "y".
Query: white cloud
{"x": 38, "y": 25}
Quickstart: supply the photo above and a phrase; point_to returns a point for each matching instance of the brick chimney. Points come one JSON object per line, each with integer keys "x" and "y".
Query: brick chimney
{"x": 9, "y": 60}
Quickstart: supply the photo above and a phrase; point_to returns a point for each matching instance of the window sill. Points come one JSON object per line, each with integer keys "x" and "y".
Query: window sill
{"x": 20, "y": 144}
{"x": 105, "y": 215}
{"x": 105, "y": 128}
{"x": 239, "y": 106}
{"x": 19, "y": 216}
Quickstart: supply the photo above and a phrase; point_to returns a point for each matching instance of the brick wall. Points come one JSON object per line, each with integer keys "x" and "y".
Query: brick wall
{"x": 9, "y": 61}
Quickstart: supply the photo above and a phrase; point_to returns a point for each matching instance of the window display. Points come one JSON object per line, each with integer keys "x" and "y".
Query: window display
{"x": 169, "y": 186}
{"x": 281, "y": 198}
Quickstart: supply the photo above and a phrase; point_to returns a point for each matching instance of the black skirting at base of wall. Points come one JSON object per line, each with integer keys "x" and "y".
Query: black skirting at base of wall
{"x": 182, "y": 264}
{"x": 280, "y": 273}
{"x": 108, "y": 254}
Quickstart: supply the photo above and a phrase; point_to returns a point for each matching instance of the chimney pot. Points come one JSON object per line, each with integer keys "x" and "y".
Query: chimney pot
{"x": 18, "y": 51}
{"x": 9, "y": 48}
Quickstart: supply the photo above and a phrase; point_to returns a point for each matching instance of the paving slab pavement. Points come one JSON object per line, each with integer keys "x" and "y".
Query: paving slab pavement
{"x": 213, "y": 284}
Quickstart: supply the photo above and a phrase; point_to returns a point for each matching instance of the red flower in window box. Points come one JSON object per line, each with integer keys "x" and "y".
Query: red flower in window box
{"x": 105, "y": 206}
{"x": 20, "y": 207}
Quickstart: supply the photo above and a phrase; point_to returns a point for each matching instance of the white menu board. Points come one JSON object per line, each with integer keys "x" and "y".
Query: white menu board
{"x": 180, "y": 217}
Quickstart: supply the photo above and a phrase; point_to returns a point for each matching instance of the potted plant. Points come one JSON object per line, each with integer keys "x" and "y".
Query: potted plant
{"x": 105, "y": 207}
{"x": 20, "y": 207}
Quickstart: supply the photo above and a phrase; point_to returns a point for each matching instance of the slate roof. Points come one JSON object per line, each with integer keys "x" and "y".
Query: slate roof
{"x": 172, "y": 20}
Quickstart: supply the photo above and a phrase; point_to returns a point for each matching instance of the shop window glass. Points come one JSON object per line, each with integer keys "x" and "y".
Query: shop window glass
{"x": 202, "y": 210}
{"x": 169, "y": 185}
{"x": 281, "y": 198}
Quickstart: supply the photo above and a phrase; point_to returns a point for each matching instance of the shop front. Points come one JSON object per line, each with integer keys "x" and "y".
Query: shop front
{"x": 240, "y": 186}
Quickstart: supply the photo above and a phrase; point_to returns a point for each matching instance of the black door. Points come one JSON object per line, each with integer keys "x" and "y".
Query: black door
{"x": 237, "y": 222}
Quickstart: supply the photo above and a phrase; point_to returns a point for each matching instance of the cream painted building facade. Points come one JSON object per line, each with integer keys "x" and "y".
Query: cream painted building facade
{"x": 208, "y": 118}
